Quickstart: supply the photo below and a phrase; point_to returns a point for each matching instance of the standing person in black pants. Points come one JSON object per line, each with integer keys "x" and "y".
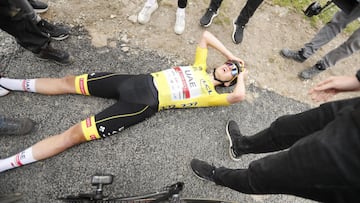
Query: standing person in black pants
{"x": 238, "y": 24}
{"x": 321, "y": 157}
{"x": 18, "y": 18}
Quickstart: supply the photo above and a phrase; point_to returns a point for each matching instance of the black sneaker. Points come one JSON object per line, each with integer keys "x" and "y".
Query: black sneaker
{"x": 56, "y": 55}
{"x": 38, "y": 6}
{"x": 11, "y": 126}
{"x": 238, "y": 33}
{"x": 56, "y": 32}
{"x": 314, "y": 70}
{"x": 208, "y": 17}
{"x": 233, "y": 134}
{"x": 295, "y": 55}
{"x": 203, "y": 170}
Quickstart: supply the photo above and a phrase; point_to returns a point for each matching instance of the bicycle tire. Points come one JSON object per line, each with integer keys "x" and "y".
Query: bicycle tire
{"x": 202, "y": 200}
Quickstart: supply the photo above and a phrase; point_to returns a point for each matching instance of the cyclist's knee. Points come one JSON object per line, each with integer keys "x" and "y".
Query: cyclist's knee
{"x": 68, "y": 82}
{"x": 73, "y": 136}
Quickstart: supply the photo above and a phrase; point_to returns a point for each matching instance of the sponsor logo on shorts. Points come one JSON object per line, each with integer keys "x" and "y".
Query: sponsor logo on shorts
{"x": 82, "y": 86}
{"x": 88, "y": 123}
{"x": 92, "y": 137}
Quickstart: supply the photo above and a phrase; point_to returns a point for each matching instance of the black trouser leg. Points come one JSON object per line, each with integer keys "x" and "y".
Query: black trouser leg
{"x": 215, "y": 4}
{"x": 182, "y": 3}
{"x": 286, "y": 130}
{"x": 23, "y": 27}
{"x": 323, "y": 166}
{"x": 248, "y": 11}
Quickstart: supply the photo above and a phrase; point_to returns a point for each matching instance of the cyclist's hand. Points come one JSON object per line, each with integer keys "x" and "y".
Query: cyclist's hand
{"x": 237, "y": 59}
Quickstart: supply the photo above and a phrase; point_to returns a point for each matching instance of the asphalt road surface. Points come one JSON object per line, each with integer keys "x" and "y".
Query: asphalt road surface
{"x": 143, "y": 158}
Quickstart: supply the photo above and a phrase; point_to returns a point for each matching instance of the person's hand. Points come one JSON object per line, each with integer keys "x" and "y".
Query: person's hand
{"x": 237, "y": 59}
{"x": 333, "y": 85}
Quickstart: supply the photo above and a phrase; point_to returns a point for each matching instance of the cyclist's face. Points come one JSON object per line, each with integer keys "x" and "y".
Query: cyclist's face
{"x": 224, "y": 72}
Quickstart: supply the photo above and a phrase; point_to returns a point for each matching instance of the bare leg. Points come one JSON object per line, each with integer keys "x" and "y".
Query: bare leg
{"x": 53, "y": 86}
{"x": 46, "y": 148}
{"x": 56, "y": 144}
{"x": 49, "y": 86}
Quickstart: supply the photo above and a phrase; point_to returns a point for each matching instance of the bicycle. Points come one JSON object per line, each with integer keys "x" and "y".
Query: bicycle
{"x": 169, "y": 194}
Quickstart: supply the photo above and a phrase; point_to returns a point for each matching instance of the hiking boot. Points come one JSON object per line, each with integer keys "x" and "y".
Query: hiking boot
{"x": 238, "y": 33}
{"x": 56, "y": 32}
{"x": 295, "y": 55}
{"x": 145, "y": 13}
{"x": 38, "y": 6}
{"x": 11, "y": 126}
{"x": 203, "y": 170}
{"x": 180, "y": 23}
{"x": 56, "y": 55}
{"x": 233, "y": 133}
{"x": 208, "y": 17}
{"x": 314, "y": 70}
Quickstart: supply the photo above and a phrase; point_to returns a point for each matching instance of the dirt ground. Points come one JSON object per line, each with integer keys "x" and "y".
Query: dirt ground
{"x": 113, "y": 23}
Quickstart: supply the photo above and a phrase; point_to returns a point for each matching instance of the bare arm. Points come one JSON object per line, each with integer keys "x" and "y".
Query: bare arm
{"x": 333, "y": 85}
{"x": 208, "y": 39}
{"x": 238, "y": 94}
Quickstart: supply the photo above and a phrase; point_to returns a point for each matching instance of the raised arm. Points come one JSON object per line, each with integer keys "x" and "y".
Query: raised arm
{"x": 208, "y": 39}
{"x": 238, "y": 94}
{"x": 333, "y": 85}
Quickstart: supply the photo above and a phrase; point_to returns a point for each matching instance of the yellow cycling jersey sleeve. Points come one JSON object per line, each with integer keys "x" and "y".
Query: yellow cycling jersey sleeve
{"x": 81, "y": 84}
{"x": 200, "y": 57}
{"x": 188, "y": 86}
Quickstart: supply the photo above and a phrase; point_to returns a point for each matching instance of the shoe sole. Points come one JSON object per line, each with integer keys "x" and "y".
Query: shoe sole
{"x": 230, "y": 143}
{"x": 212, "y": 18}
{"x": 38, "y": 11}
{"x": 60, "y": 37}
{"x": 233, "y": 33}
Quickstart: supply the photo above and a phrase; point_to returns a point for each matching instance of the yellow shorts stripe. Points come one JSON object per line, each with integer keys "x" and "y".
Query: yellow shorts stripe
{"x": 124, "y": 115}
{"x": 88, "y": 127}
{"x": 81, "y": 85}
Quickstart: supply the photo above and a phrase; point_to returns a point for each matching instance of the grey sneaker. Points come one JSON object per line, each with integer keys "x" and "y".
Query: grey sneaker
{"x": 203, "y": 170}
{"x": 295, "y": 55}
{"x": 233, "y": 134}
{"x": 314, "y": 70}
{"x": 12, "y": 126}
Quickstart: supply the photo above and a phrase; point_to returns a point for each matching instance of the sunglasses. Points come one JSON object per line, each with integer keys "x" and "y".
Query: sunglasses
{"x": 234, "y": 69}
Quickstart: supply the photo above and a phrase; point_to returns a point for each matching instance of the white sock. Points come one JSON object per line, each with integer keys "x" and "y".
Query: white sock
{"x": 180, "y": 11}
{"x": 27, "y": 85}
{"x": 150, "y": 2}
{"x": 22, "y": 158}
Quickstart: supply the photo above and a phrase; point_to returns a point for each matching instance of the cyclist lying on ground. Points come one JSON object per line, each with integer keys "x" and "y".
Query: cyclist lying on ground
{"x": 139, "y": 97}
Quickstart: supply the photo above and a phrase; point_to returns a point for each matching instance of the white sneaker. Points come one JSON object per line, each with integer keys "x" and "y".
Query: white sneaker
{"x": 180, "y": 23}
{"x": 145, "y": 13}
{"x": 3, "y": 91}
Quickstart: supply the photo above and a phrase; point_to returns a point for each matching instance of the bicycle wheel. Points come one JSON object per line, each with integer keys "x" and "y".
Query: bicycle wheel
{"x": 202, "y": 200}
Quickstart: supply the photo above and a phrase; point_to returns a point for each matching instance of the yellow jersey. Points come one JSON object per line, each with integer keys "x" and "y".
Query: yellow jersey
{"x": 188, "y": 86}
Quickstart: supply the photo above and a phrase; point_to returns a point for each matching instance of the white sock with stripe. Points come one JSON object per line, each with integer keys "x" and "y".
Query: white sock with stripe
{"x": 22, "y": 158}
{"x": 26, "y": 85}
